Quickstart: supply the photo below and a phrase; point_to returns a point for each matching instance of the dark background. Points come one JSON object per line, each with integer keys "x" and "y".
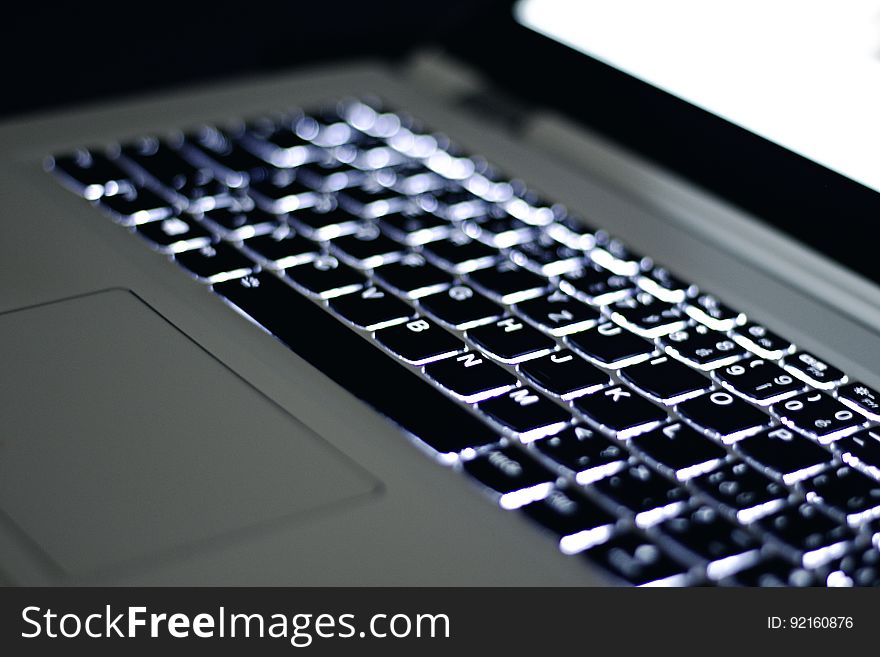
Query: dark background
{"x": 55, "y": 56}
{"x": 68, "y": 53}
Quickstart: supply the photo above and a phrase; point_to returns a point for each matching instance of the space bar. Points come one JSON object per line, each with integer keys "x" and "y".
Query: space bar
{"x": 361, "y": 368}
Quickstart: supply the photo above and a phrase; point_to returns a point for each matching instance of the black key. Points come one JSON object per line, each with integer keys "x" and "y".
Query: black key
{"x": 723, "y": 415}
{"x": 326, "y": 277}
{"x": 518, "y": 477}
{"x": 500, "y": 232}
{"x": 596, "y": 286}
{"x": 810, "y": 369}
{"x": 369, "y": 158}
{"x": 647, "y": 316}
{"x": 461, "y": 255}
{"x": 508, "y": 283}
{"x": 136, "y": 206}
{"x": 90, "y": 174}
{"x": 620, "y": 410}
{"x": 637, "y": 561}
{"x": 367, "y": 248}
{"x": 810, "y": 536}
{"x": 723, "y": 545}
{"x": 371, "y": 201}
{"x": 861, "y": 568}
{"x": 330, "y": 176}
{"x": 701, "y": 347}
{"x": 612, "y": 254}
{"x": 215, "y": 262}
{"x": 708, "y": 310}
{"x": 743, "y": 489}
{"x": 558, "y": 314}
{"x": 862, "y": 398}
{"x": 281, "y": 194}
{"x": 414, "y": 277}
{"x": 680, "y": 451}
{"x": 775, "y": 572}
{"x": 283, "y": 248}
{"x": 759, "y": 381}
{"x": 760, "y": 340}
{"x": 326, "y": 343}
{"x": 589, "y": 455}
{"x": 642, "y": 492}
{"x": 510, "y": 340}
{"x": 471, "y": 377}
{"x": 163, "y": 163}
{"x": 243, "y": 223}
{"x": 372, "y": 308}
{"x": 665, "y": 285}
{"x": 218, "y": 150}
{"x": 461, "y": 307}
{"x": 818, "y": 415}
{"x": 571, "y": 232}
{"x": 454, "y": 203}
{"x": 174, "y": 234}
{"x": 411, "y": 178}
{"x": 415, "y": 229}
{"x": 785, "y": 454}
{"x": 576, "y": 519}
{"x": 846, "y": 493}
{"x": 611, "y": 346}
{"x": 324, "y": 223}
{"x": 419, "y": 341}
{"x": 862, "y": 451}
{"x": 666, "y": 380}
{"x": 278, "y": 145}
{"x": 527, "y": 413}
{"x": 545, "y": 256}
{"x": 565, "y": 374}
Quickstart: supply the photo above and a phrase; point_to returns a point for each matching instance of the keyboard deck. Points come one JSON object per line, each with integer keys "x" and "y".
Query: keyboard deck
{"x": 645, "y": 425}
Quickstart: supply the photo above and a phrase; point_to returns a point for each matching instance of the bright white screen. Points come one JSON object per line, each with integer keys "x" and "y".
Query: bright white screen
{"x": 802, "y": 73}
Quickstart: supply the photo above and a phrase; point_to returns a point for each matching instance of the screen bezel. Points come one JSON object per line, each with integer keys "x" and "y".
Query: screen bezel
{"x": 815, "y": 205}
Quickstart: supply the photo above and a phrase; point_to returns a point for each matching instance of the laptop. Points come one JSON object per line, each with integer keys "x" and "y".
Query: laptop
{"x": 580, "y": 308}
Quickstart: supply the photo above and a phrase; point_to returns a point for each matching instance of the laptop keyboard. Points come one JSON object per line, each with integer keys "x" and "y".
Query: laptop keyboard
{"x": 642, "y": 423}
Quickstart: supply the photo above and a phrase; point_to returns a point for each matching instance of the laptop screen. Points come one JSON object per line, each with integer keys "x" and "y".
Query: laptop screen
{"x": 802, "y": 73}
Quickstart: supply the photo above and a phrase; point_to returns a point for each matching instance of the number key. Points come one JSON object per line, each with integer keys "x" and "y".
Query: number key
{"x": 819, "y": 416}
{"x": 759, "y": 381}
{"x": 701, "y": 347}
{"x": 762, "y": 341}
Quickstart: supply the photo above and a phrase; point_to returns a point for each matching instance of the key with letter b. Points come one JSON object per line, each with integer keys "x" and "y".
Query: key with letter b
{"x": 419, "y": 341}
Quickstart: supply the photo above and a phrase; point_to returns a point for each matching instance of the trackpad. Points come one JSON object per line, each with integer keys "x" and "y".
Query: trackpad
{"x": 122, "y": 438}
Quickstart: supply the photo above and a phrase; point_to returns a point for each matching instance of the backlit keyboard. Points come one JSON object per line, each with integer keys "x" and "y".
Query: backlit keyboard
{"x": 645, "y": 425}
